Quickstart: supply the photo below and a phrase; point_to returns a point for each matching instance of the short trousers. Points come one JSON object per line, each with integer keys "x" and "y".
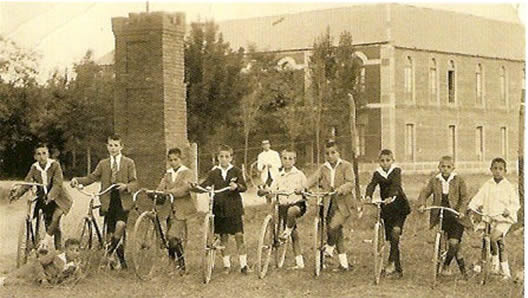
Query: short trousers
{"x": 453, "y": 228}
{"x": 501, "y": 227}
{"x": 115, "y": 212}
{"x": 47, "y": 210}
{"x": 283, "y": 211}
{"x": 228, "y": 225}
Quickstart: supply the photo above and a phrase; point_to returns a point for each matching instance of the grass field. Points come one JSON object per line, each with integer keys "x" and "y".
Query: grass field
{"x": 416, "y": 249}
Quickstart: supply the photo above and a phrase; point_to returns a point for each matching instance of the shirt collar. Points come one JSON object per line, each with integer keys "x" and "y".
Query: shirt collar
{"x": 451, "y": 177}
{"x": 292, "y": 171}
{"x": 46, "y": 167}
{"x": 180, "y": 168}
{"x": 328, "y": 165}
{"x": 117, "y": 158}
{"x": 386, "y": 174}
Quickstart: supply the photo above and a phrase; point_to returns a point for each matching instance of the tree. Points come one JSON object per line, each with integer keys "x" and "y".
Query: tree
{"x": 212, "y": 72}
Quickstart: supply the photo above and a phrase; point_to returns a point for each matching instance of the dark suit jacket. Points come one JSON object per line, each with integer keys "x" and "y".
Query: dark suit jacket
{"x": 343, "y": 180}
{"x": 228, "y": 203}
{"x": 390, "y": 186}
{"x": 183, "y": 205}
{"x": 103, "y": 174}
{"x": 56, "y": 191}
{"x": 457, "y": 197}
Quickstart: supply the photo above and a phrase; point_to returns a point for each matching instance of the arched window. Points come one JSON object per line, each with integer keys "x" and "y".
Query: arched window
{"x": 408, "y": 79}
{"x": 433, "y": 81}
{"x": 451, "y": 82}
{"x": 479, "y": 84}
{"x": 503, "y": 80}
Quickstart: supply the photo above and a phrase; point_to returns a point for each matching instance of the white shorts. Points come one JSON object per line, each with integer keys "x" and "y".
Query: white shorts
{"x": 502, "y": 227}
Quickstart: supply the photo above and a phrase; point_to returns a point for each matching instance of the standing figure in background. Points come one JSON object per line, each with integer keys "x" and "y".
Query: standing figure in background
{"x": 268, "y": 163}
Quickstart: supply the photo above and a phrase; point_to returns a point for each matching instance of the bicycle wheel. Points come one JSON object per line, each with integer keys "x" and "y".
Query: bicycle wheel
{"x": 265, "y": 246}
{"x": 23, "y": 243}
{"x": 208, "y": 257}
{"x": 85, "y": 232}
{"x": 436, "y": 257}
{"x": 318, "y": 246}
{"x": 281, "y": 247}
{"x": 146, "y": 249}
{"x": 485, "y": 260}
{"x": 39, "y": 231}
{"x": 378, "y": 246}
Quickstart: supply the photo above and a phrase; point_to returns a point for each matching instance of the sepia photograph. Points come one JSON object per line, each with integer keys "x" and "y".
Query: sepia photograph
{"x": 262, "y": 149}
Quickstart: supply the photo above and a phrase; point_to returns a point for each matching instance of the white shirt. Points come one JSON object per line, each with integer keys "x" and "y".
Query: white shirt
{"x": 332, "y": 171}
{"x": 118, "y": 160}
{"x": 386, "y": 174}
{"x": 445, "y": 184}
{"x": 289, "y": 182}
{"x": 223, "y": 171}
{"x": 494, "y": 198}
{"x": 44, "y": 171}
{"x": 268, "y": 157}
{"x": 173, "y": 174}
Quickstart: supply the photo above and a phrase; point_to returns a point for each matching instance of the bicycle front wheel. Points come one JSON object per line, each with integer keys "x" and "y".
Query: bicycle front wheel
{"x": 378, "y": 246}
{"x": 436, "y": 257}
{"x": 485, "y": 260}
{"x": 208, "y": 257}
{"x": 23, "y": 243}
{"x": 265, "y": 246}
{"x": 318, "y": 246}
{"x": 146, "y": 250}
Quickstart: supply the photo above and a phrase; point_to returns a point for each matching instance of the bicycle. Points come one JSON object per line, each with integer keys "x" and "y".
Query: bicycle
{"x": 149, "y": 239}
{"x": 269, "y": 240}
{"x": 485, "y": 257}
{"x": 90, "y": 235}
{"x": 32, "y": 228}
{"x": 379, "y": 243}
{"x": 319, "y": 229}
{"x": 210, "y": 242}
{"x": 440, "y": 245}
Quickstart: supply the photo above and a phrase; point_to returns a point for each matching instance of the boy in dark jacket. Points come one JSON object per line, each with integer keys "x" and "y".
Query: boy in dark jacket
{"x": 388, "y": 177}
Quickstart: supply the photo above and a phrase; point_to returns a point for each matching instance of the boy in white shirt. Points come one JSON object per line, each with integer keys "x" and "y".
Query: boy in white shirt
{"x": 498, "y": 199}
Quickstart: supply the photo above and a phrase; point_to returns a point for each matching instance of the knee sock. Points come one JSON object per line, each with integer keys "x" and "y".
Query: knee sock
{"x": 451, "y": 252}
{"x": 179, "y": 253}
{"x": 461, "y": 265}
{"x": 395, "y": 251}
{"x": 227, "y": 261}
{"x": 113, "y": 245}
{"x": 243, "y": 260}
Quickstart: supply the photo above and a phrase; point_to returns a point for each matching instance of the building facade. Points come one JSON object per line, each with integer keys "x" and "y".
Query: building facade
{"x": 436, "y": 82}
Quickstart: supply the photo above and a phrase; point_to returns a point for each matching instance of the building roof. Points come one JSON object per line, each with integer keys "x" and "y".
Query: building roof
{"x": 402, "y": 25}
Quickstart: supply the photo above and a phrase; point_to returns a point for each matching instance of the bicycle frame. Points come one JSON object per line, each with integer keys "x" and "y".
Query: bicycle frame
{"x": 154, "y": 211}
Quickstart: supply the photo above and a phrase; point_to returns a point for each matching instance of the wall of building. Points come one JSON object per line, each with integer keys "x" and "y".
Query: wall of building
{"x": 432, "y": 116}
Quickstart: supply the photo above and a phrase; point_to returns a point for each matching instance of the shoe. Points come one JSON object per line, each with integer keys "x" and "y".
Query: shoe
{"x": 341, "y": 268}
{"x": 227, "y": 270}
{"x": 328, "y": 251}
{"x": 112, "y": 262}
{"x": 390, "y": 268}
{"x": 396, "y": 275}
{"x": 296, "y": 267}
{"x": 446, "y": 271}
{"x": 245, "y": 270}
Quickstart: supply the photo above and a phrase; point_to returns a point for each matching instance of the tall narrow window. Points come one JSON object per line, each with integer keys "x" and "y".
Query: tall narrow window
{"x": 360, "y": 141}
{"x": 433, "y": 81}
{"x": 504, "y": 142}
{"x": 452, "y": 141}
{"x": 408, "y": 80}
{"x": 503, "y": 80}
{"x": 451, "y": 82}
{"x": 409, "y": 142}
{"x": 479, "y": 142}
{"x": 478, "y": 86}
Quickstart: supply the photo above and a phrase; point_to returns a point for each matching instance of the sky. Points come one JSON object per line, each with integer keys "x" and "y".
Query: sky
{"x": 61, "y": 32}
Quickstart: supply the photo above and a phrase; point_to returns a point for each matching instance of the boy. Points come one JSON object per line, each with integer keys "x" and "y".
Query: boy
{"x": 268, "y": 162}
{"x": 120, "y": 170}
{"x": 49, "y": 269}
{"x": 388, "y": 177}
{"x": 290, "y": 179}
{"x": 498, "y": 199}
{"x": 227, "y": 205}
{"x": 177, "y": 182}
{"x": 448, "y": 190}
{"x": 54, "y": 201}
{"x": 336, "y": 174}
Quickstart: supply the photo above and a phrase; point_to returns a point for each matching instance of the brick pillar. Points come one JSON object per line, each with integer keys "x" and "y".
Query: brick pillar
{"x": 149, "y": 106}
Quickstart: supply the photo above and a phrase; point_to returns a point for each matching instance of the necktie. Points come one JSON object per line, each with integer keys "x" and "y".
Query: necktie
{"x": 114, "y": 170}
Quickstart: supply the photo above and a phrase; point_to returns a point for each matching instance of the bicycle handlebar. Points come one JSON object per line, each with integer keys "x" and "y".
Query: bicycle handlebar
{"x": 485, "y": 215}
{"x": 380, "y": 202}
{"x": 208, "y": 189}
{"x": 16, "y": 185}
{"x": 155, "y": 192}
{"x": 443, "y": 208}
{"x": 319, "y": 194}
{"x": 80, "y": 188}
